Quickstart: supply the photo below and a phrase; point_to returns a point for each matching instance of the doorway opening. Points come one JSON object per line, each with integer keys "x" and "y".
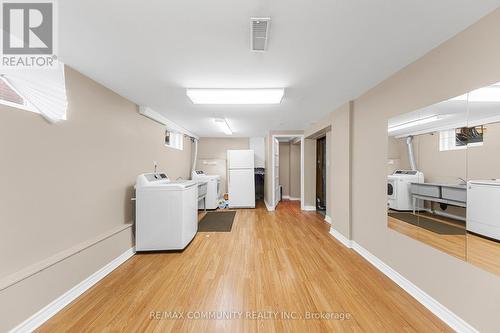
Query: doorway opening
{"x": 287, "y": 169}
{"x": 321, "y": 170}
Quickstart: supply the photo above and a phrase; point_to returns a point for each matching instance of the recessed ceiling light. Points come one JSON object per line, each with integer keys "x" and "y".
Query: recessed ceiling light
{"x": 236, "y": 96}
{"x": 224, "y": 126}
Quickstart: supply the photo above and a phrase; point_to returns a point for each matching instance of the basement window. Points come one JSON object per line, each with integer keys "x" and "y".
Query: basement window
{"x": 9, "y": 97}
{"x": 174, "y": 140}
{"x": 461, "y": 138}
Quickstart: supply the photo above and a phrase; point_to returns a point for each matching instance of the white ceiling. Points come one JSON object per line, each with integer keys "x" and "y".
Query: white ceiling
{"x": 450, "y": 114}
{"x": 324, "y": 52}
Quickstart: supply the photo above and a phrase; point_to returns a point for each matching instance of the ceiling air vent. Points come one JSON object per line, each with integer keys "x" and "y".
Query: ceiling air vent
{"x": 259, "y": 33}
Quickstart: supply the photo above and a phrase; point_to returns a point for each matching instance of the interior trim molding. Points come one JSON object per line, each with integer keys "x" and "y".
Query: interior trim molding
{"x": 446, "y": 315}
{"x": 328, "y": 219}
{"x": 31, "y": 270}
{"x": 287, "y": 197}
{"x": 269, "y": 207}
{"x": 58, "y": 304}
{"x": 341, "y": 238}
{"x": 309, "y": 208}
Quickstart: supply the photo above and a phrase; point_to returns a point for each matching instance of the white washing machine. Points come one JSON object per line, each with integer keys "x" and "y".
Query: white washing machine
{"x": 166, "y": 214}
{"x": 399, "y": 188}
{"x": 213, "y": 189}
{"x": 483, "y": 211}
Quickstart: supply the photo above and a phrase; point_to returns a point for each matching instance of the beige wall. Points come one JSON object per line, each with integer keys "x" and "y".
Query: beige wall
{"x": 340, "y": 168}
{"x": 319, "y": 128}
{"x": 310, "y": 173}
{"x": 66, "y": 183}
{"x": 395, "y": 155}
{"x": 295, "y": 171}
{"x": 290, "y": 169}
{"x": 285, "y": 168}
{"x": 468, "y": 61}
{"x": 212, "y": 155}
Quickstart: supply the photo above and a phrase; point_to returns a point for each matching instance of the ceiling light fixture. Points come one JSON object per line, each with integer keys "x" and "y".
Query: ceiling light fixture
{"x": 224, "y": 126}
{"x": 236, "y": 96}
{"x": 486, "y": 94}
{"x": 413, "y": 123}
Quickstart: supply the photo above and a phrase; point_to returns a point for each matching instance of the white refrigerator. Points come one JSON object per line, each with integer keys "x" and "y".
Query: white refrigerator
{"x": 240, "y": 178}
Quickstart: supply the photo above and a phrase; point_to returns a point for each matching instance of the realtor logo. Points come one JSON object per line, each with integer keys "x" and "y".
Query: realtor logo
{"x": 28, "y": 34}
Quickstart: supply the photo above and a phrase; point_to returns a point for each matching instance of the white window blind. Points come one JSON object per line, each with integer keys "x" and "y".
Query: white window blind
{"x": 44, "y": 90}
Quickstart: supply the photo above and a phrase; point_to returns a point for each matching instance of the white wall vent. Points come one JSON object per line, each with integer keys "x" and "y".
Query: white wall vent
{"x": 259, "y": 33}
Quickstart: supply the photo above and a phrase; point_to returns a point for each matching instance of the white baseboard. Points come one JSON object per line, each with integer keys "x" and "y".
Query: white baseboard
{"x": 450, "y": 318}
{"x": 269, "y": 207}
{"x": 287, "y": 197}
{"x": 341, "y": 238}
{"x": 58, "y": 304}
{"x": 328, "y": 219}
{"x": 309, "y": 208}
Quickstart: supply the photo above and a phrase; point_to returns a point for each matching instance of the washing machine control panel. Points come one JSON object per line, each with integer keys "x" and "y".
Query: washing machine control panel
{"x": 405, "y": 172}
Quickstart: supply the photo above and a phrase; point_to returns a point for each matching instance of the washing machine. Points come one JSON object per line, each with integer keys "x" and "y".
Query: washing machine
{"x": 213, "y": 189}
{"x": 166, "y": 214}
{"x": 399, "y": 188}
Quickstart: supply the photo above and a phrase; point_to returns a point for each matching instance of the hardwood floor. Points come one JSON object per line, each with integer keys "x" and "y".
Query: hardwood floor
{"x": 477, "y": 250}
{"x": 454, "y": 245}
{"x": 283, "y": 262}
{"x": 483, "y": 253}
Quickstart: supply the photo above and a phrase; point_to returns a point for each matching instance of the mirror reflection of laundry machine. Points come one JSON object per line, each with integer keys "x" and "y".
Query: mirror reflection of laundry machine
{"x": 399, "y": 188}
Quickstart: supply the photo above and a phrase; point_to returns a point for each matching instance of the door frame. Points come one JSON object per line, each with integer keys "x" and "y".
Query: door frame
{"x": 273, "y": 176}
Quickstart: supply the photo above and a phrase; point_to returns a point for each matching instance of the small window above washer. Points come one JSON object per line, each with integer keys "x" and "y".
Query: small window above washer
{"x": 174, "y": 140}
{"x": 461, "y": 138}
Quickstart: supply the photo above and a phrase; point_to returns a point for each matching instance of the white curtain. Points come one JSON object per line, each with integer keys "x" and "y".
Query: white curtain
{"x": 44, "y": 89}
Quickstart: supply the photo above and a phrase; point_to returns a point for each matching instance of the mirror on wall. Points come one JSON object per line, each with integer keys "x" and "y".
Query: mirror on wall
{"x": 443, "y": 176}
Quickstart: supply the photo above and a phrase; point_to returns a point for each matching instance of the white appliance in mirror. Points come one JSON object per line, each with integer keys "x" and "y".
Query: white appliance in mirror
{"x": 399, "y": 189}
{"x": 241, "y": 178}
{"x": 483, "y": 212}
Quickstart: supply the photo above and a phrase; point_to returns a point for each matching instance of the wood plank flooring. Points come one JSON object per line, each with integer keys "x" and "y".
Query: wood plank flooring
{"x": 454, "y": 245}
{"x": 483, "y": 253}
{"x": 477, "y": 250}
{"x": 276, "y": 266}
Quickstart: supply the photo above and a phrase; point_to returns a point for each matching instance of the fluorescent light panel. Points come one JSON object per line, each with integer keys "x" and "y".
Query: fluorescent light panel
{"x": 486, "y": 94}
{"x": 413, "y": 123}
{"x": 224, "y": 126}
{"x": 236, "y": 96}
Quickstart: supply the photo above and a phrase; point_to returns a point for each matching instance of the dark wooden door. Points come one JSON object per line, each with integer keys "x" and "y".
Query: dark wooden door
{"x": 321, "y": 173}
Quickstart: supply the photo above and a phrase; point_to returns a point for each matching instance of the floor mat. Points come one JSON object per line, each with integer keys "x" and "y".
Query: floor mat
{"x": 217, "y": 222}
{"x": 428, "y": 224}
